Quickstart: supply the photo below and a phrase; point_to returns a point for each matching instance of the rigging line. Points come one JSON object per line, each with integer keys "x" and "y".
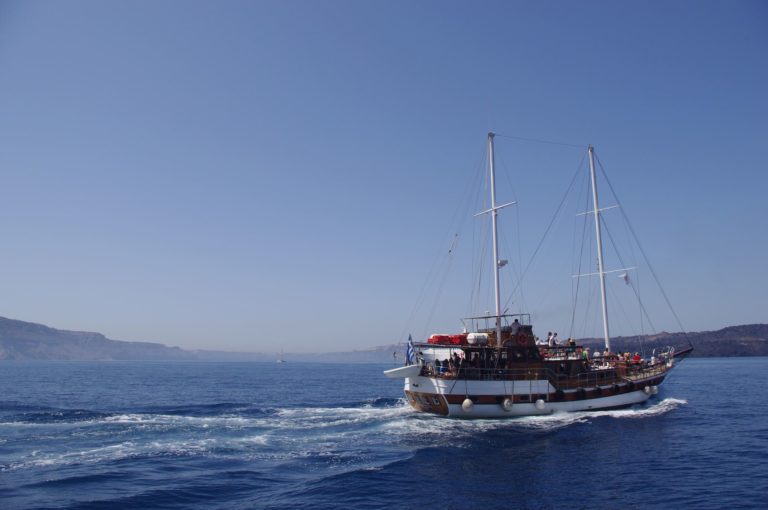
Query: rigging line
{"x": 461, "y": 215}
{"x": 581, "y": 256}
{"x": 437, "y": 273}
{"x": 613, "y": 244}
{"x": 642, "y": 251}
{"x": 546, "y": 232}
{"x": 642, "y": 309}
{"x": 587, "y": 324}
{"x": 474, "y": 263}
{"x": 615, "y": 299}
{"x": 432, "y": 276}
{"x": 630, "y": 245}
{"x": 484, "y": 235}
{"x": 640, "y": 303}
{"x": 477, "y": 236}
{"x": 420, "y": 298}
{"x": 519, "y": 237}
{"x": 440, "y": 290}
{"x": 593, "y": 293}
{"x": 519, "y": 265}
{"x": 631, "y": 284}
{"x": 536, "y": 140}
{"x": 513, "y": 265}
{"x": 436, "y": 267}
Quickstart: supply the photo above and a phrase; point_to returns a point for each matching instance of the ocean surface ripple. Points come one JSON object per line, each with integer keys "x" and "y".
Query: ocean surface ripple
{"x": 256, "y": 435}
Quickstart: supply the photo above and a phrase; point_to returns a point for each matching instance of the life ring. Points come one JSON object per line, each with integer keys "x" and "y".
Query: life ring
{"x": 521, "y": 340}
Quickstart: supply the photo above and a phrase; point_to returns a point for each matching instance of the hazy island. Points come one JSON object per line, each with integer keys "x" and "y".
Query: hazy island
{"x": 21, "y": 340}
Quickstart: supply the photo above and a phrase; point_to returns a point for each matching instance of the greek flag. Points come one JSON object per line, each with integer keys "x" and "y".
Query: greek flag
{"x": 409, "y": 352}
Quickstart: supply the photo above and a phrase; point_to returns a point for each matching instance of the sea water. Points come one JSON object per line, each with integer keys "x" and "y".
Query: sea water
{"x": 266, "y": 435}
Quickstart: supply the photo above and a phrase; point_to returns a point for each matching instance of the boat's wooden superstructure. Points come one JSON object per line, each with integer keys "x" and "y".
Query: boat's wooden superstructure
{"x": 522, "y": 378}
{"x": 500, "y": 371}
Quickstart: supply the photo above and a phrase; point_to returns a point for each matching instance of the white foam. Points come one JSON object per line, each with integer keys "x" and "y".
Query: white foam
{"x": 439, "y": 426}
{"x": 259, "y": 439}
{"x": 338, "y": 434}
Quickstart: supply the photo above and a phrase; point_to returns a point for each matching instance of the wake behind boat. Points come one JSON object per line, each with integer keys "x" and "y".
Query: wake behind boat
{"x": 495, "y": 368}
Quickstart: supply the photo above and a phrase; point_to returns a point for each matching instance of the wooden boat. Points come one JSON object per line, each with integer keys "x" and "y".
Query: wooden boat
{"x": 500, "y": 371}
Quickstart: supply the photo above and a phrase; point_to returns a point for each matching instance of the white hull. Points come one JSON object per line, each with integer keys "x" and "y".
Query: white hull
{"x": 592, "y": 404}
{"x": 438, "y": 392}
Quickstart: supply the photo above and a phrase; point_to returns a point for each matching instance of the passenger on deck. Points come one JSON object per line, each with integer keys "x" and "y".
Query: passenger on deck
{"x": 515, "y": 327}
{"x": 456, "y": 360}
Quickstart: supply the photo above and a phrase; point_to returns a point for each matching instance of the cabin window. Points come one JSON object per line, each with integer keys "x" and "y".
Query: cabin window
{"x": 436, "y": 401}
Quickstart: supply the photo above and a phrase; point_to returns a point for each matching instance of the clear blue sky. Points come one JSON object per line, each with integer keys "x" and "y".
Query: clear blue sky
{"x": 265, "y": 174}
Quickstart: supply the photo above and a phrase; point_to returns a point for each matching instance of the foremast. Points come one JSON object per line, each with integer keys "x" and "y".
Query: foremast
{"x": 497, "y": 263}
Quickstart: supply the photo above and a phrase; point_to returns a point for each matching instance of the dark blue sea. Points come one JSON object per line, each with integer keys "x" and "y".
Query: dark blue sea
{"x": 291, "y": 436}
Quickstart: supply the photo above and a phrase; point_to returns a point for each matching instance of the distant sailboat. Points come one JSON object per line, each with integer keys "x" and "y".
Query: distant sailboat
{"x": 281, "y": 359}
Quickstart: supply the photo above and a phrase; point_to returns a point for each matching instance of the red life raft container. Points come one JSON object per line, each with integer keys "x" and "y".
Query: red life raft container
{"x": 448, "y": 339}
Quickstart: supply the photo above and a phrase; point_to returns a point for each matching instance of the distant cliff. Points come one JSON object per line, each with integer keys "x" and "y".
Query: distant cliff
{"x": 29, "y": 341}
{"x": 747, "y": 340}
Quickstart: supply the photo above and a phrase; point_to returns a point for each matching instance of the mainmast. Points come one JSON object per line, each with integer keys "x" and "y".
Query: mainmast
{"x": 494, "y": 220}
{"x": 600, "y": 270}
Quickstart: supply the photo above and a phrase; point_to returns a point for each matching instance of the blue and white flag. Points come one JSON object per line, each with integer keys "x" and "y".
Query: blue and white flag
{"x": 409, "y": 352}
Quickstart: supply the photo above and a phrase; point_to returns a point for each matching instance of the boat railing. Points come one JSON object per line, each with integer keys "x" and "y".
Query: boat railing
{"x": 561, "y": 352}
{"x": 486, "y": 323}
{"x": 599, "y": 374}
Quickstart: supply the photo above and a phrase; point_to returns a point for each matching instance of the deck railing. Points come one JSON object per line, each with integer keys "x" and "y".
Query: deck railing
{"x": 605, "y": 374}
